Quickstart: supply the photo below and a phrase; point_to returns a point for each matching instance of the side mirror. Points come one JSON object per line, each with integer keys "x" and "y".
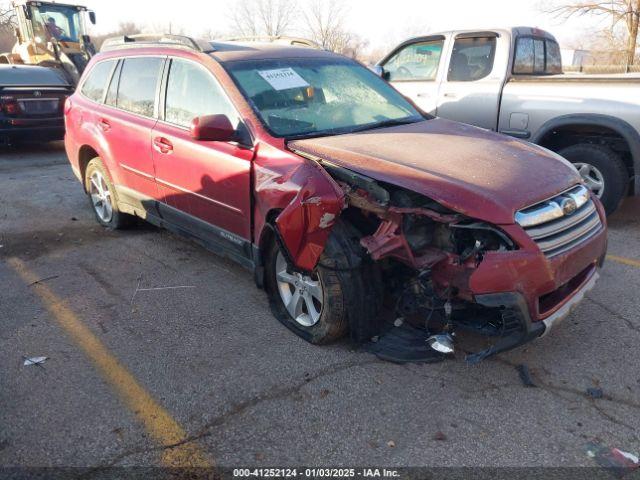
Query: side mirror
{"x": 378, "y": 70}
{"x": 92, "y": 17}
{"x": 213, "y": 128}
{"x": 27, "y": 12}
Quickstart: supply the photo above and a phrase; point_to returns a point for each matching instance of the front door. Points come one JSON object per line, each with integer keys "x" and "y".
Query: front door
{"x": 413, "y": 71}
{"x": 205, "y": 185}
{"x": 470, "y": 93}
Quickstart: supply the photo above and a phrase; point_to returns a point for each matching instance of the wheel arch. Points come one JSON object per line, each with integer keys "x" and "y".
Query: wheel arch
{"x": 553, "y": 133}
{"x": 86, "y": 153}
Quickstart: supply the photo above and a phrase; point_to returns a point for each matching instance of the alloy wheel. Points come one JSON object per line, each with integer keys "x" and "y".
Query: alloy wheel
{"x": 101, "y": 197}
{"x": 301, "y": 295}
{"x": 593, "y": 178}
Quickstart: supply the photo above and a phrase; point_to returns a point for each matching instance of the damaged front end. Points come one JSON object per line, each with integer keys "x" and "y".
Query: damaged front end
{"x": 427, "y": 254}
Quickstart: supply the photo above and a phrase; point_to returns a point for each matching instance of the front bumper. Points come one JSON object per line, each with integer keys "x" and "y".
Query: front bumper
{"x": 519, "y": 327}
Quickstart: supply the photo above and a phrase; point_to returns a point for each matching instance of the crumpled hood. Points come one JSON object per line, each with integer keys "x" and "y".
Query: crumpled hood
{"x": 470, "y": 170}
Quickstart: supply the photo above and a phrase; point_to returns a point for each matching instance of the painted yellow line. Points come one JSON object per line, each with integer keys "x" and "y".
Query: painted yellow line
{"x": 624, "y": 260}
{"x": 162, "y": 428}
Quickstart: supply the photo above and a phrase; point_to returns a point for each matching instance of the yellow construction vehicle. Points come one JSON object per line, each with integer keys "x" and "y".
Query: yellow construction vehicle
{"x": 52, "y": 35}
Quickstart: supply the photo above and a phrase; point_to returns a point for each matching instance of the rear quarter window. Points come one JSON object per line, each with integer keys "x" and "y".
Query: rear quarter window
{"x": 96, "y": 82}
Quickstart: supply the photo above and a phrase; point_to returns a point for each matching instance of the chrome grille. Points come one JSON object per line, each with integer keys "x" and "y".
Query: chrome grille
{"x": 562, "y": 222}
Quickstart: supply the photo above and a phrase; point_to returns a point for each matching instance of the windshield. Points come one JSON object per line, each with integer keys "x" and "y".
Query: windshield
{"x": 60, "y": 22}
{"x": 313, "y": 97}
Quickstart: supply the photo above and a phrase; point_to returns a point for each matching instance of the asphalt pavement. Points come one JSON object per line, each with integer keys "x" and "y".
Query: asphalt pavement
{"x": 142, "y": 373}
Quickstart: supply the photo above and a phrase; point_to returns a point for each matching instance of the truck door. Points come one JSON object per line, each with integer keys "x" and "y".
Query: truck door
{"x": 413, "y": 70}
{"x": 470, "y": 91}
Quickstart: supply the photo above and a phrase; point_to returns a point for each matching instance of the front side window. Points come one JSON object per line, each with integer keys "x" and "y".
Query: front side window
{"x": 471, "y": 59}
{"x": 95, "y": 84}
{"x": 192, "y": 92}
{"x": 418, "y": 61}
{"x": 307, "y": 97}
{"x": 138, "y": 82}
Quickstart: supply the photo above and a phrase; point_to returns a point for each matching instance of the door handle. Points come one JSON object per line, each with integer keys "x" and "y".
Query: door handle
{"x": 423, "y": 95}
{"x": 450, "y": 95}
{"x": 104, "y": 124}
{"x": 162, "y": 145}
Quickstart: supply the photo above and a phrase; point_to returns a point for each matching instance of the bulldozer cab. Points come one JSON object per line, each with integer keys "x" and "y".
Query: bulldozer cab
{"x": 52, "y": 35}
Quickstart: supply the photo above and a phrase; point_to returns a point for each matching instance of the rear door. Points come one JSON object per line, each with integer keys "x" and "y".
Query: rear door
{"x": 126, "y": 120}
{"x": 414, "y": 70}
{"x": 205, "y": 185}
{"x": 470, "y": 91}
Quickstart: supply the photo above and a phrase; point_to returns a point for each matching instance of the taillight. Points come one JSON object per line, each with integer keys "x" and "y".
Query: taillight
{"x": 9, "y": 105}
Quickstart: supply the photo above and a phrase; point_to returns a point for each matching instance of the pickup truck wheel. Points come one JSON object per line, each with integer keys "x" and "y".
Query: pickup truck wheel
{"x": 321, "y": 306}
{"x": 103, "y": 198}
{"x": 602, "y": 170}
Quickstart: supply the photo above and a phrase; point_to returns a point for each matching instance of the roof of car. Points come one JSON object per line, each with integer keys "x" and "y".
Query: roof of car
{"x": 30, "y": 75}
{"x": 237, "y": 51}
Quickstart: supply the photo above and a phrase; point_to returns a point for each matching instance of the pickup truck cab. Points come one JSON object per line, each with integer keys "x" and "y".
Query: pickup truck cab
{"x": 511, "y": 81}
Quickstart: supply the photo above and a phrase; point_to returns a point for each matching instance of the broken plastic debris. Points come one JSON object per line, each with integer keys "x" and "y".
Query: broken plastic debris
{"x": 618, "y": 462}
{"x": 34, "y": 360}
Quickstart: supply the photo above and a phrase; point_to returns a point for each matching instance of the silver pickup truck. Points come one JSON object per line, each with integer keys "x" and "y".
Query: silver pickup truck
{"x": 511, "y": 81}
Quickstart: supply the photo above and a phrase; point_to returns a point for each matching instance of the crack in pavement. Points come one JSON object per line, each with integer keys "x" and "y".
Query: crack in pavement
{"x": 626, "y": 320}
{"x": 582, "y": 395}
{"x": 272, "y": 393}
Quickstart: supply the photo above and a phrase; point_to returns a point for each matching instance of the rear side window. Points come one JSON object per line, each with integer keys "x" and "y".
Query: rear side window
{"x": 471, "y": 59}
{"x": 554, "y": 59}
{"x": 537, "y": 56}
{"x": 192, "y": 92}
{"x": 138, "y": 82}
{"x": 418, "y": 61}
{"x": 95, "y": 84}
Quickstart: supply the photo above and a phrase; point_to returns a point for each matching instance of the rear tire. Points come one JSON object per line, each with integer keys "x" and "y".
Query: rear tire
{"x": 351, "y": 291}
{"x": 602, "y": 169}
{"x": 103, "y": 198}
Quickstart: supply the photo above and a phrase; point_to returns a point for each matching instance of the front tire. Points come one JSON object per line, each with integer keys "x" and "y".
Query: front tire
{"x": 602, "y": 170}
{"x": 102, "y": 197}
{"x": 343, "y": 291}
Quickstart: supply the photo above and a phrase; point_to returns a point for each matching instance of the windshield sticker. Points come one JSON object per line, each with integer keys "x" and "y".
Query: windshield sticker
{"x": 283, "y": 78}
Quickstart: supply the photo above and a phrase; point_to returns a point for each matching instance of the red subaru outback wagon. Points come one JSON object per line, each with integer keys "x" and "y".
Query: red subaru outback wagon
{"x": 352, "y": 207}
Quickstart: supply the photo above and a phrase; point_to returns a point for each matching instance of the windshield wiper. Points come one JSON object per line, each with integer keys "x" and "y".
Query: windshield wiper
{"x": 384, "y": 124}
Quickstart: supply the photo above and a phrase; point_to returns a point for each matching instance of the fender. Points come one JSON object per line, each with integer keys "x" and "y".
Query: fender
{"x": 624, "y": 129}
{"x": 307, "y": 198}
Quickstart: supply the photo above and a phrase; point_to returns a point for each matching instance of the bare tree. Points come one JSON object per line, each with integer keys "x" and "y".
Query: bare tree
{"x": 7, "y": 26}
{"x": 324, "y": 21}
{"x": 124, "y": 28}
{"x": 618, "y": 11}
{"x": 263, "y": 17}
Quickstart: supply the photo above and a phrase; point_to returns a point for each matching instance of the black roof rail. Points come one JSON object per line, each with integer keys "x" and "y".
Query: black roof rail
{"x": 161, "y": 39}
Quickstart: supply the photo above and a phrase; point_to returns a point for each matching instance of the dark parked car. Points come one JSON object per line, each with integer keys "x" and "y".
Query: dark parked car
{"x": 336, "y": 192}
{"x": 31, "y": 104}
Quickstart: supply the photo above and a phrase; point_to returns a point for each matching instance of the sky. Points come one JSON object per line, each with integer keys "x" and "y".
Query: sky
{"x": 380, "y": 22}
